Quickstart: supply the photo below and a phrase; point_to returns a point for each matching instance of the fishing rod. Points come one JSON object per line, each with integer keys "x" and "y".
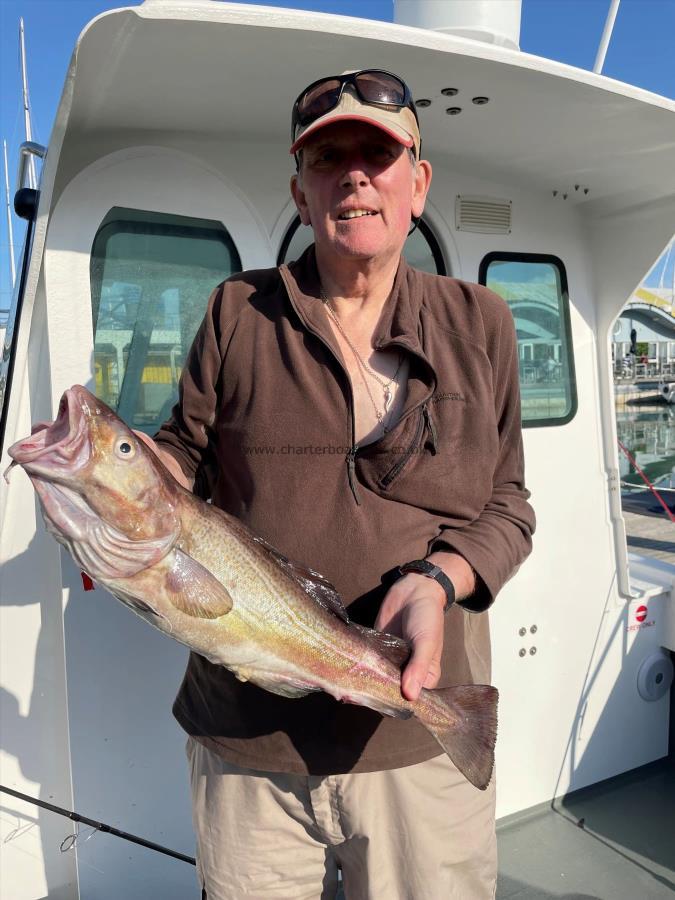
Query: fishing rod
{"x": 98, "y": 826}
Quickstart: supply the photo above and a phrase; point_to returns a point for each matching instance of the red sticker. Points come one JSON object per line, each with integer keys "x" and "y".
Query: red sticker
{"x": 641, "y": 613}
{"x": 87, "y": 583}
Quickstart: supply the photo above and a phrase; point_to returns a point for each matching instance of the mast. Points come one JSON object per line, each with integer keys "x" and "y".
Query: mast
{"x": 10, "y": 232}
{"x": 606, "y": 35}
{"x": 32, "y": 179}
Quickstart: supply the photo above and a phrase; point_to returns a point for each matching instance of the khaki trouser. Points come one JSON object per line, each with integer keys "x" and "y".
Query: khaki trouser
{"x": 417, "y": 833}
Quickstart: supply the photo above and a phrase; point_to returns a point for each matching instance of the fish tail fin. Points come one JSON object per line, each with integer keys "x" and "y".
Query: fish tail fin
{"x": 469, "y": 732}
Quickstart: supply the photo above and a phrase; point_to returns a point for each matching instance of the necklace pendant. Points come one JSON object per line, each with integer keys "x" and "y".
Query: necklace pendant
{"x": 387, "y": 398}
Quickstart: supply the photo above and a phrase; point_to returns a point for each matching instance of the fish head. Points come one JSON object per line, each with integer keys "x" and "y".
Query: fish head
{"x": 100, "y": 486}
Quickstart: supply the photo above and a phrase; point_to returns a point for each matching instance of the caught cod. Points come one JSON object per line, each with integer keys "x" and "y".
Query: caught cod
{"x": 202, "y": 577}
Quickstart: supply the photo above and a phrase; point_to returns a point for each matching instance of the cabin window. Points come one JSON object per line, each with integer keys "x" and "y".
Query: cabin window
{"x": 421, "y": 249}
{"x": 151, "y": 277}
{"x": 535, "y": 287}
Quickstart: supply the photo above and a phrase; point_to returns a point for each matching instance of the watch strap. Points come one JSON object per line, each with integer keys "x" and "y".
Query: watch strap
{"x": 424, "y": 567}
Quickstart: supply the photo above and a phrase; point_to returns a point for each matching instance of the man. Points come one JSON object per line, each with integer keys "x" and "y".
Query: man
{"x": 359, "y": 415}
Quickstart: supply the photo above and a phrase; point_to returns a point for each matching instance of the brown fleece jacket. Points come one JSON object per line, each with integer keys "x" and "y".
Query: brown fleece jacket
{"x": 264, "y": 425}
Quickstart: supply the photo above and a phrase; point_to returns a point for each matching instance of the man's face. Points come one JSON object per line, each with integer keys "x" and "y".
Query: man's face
{"x": 353, "y": 168}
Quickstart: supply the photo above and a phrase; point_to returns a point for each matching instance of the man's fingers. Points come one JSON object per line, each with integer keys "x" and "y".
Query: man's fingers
{"x": 416, "y": 672}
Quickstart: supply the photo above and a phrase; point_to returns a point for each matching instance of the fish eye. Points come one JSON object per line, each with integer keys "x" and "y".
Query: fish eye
{"x": 124, "y": 449}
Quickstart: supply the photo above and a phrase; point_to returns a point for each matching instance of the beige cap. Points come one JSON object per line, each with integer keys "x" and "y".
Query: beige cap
{"x": 398, "y": 122}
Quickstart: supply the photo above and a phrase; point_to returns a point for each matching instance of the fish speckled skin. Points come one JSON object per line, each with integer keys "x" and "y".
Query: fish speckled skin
{"x": 202, "y": 577}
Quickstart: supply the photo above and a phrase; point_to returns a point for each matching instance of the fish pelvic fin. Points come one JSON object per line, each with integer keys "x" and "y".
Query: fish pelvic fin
{"x": 469, "y": 733}
{"x": 284, "y": 687}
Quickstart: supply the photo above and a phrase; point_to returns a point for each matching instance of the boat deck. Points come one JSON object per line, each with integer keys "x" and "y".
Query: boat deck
{"x": 612, "y": 841}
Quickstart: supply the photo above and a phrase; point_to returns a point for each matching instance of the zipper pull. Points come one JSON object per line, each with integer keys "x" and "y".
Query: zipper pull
{"x": 431, "y": 428}
{"x": 351, "y": 472}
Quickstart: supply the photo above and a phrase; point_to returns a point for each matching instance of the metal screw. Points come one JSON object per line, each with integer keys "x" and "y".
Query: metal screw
{"x": 533, "y": 629}
{"x": 522, "y": 652}
{"x": 533, "y": 650}
{"x": 522, "y": 631}
{"x": 449, "y": 92}
{"x": 453, "y": 110}
{"x": 423, "y": 103}
{"x": 480, "y": 101}
{"x": 555, "y": 193}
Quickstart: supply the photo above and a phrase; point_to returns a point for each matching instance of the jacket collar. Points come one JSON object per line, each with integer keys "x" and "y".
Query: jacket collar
{"x": 399, "y": 324}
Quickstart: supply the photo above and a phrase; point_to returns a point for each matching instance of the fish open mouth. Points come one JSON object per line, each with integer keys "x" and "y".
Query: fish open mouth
{"x": 61, "y": 446}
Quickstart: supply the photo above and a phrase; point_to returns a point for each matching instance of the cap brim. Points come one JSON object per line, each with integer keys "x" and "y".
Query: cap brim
{"x": 401, "y": 136}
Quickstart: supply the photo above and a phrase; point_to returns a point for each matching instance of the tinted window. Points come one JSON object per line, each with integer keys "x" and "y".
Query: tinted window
{"x": 535, "y": 287}
{"x": 151, "y": 277}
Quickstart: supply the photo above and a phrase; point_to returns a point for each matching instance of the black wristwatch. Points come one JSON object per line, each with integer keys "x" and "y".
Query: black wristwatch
{"x": 424, "y": 567}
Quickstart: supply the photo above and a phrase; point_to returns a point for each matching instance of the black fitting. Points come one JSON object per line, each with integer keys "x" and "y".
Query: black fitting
{"x": 26, "y": 203}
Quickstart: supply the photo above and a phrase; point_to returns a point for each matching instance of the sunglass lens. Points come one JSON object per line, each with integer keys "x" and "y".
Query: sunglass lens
{"x": 318, "y": 100}
{"x": 377, "y": 87}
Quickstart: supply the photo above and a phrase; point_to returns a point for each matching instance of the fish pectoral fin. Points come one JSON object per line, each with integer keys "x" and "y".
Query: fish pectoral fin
{"x": 313, "y": 583}
{"x": 192, "y": 589}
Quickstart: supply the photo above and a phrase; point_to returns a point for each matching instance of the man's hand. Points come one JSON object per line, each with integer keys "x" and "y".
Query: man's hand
{"x": 413, "y": 609}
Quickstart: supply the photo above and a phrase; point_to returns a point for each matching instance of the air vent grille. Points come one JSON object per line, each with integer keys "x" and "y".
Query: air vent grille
{"x": 483, "y": 215}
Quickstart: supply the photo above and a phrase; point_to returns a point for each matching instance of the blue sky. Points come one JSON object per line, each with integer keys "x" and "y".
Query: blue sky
{"x": 640, "y": 53}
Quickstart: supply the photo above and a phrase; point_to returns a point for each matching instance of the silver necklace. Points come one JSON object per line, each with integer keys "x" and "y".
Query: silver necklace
{"x": 385, "y": 385}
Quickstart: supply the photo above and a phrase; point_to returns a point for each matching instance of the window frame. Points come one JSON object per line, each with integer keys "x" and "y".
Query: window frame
{"x": 550, "y": 259}
{"x": 422, "y": 226}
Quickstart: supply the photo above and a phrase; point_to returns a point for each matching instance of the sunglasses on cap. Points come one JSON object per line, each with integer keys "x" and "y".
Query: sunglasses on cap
{"x": 373, "y": 86}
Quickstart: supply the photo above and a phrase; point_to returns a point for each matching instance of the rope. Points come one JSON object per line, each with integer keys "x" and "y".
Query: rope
{"x": 646, "y": 480}
{"x": 638, "y": 487}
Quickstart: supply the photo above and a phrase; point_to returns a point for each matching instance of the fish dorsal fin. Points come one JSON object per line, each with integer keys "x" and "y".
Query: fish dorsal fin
{"x": 313, "y": 583}
{"x": 394, "y": 648}
{"x": 192, "y": 589}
